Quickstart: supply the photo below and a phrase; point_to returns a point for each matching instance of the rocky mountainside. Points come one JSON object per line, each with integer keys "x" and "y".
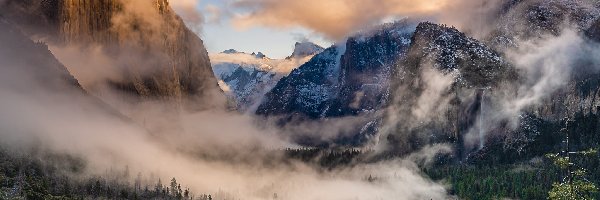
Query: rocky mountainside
{"x": 303, "y": 49}
{"x": 373, "y": 71}
{"x": 327, "y": 84}
{"x": 535, "y": 19}
{"x": 448, "y": 50}
{"x": 521, "y": 20}
{"x": 246, "y": 78}
{"x": 158, "y": 54}
{"x": 29, "y": 70}
{"x": 469, "y": 83}
{"x": 350, "y": 79}
{"x": 482, "y": 75}
{"x": 594, "y": 31}
{"x": 439, "y": 89}
{"x": 305, "y": 88}
{"x": 26, "y": 61}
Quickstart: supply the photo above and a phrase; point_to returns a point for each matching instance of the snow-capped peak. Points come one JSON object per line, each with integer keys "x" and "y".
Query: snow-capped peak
{"x": 303, "y": 49}
{"x": 259, "y": 55}
{"x": 398, "y": 27}
{"x": 247, "y": 77}
{"x": 230, "y": 51}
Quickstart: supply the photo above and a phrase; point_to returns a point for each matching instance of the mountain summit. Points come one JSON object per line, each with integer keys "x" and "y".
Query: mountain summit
{"x": 303, "y": 49}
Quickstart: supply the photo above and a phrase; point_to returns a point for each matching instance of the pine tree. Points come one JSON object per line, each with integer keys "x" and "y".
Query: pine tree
{"x": 173, "y": 188}
{"x": 574, "y": 185}
{"x": 159, "y": 187}
{"x": 179, "y": 192}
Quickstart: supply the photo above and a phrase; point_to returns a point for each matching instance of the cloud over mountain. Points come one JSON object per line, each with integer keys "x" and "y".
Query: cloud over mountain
{"x": 336, "y": 19}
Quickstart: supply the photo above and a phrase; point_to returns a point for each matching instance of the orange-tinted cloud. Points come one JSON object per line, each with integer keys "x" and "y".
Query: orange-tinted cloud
{"x": 188, "y": 11}
{"x": 333, "y": 18}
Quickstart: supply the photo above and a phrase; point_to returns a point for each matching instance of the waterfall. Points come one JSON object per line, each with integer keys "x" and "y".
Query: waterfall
{"x": 481, "y": 127}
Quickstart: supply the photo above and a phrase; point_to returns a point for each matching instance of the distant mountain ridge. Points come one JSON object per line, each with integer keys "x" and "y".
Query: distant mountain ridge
{"x": 247, "y": 77}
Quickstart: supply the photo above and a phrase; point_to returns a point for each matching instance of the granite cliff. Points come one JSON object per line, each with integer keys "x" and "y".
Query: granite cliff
{"x": 157, "y": 54}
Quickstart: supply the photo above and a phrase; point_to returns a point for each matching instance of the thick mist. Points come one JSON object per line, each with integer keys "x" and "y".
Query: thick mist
{"x": 208, "y": 151}
{"x": 168, "y": 145}
{"x": 216, "y": 149}
{"x": 192, "y": 146}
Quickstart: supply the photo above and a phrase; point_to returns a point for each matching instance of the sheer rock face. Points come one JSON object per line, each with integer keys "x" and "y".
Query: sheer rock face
{"x": 449, "y": 50}
{"x": 159, "y": 55}
{"x": 366, "y": 69}
{"x": 594, "y": 31}
{"x": 30, "y": 72}
{"x": 481, "y": 77}
{"x": 527, "y": 20}
{"x": 521, "y": 20}
{"x": 348, "y": 80}
{"x": 439, "y": 89}
{"x": 26, "y": 64}
{"x": 305, "y": 89}
{"x": 331, "y": 81}
{"x": 581, "y": 95}
{"x": 303, "y": 49}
